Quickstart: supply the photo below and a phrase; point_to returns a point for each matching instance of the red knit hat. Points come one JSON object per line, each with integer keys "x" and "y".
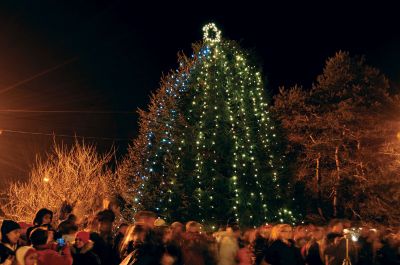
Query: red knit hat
{"x": 84, "y": 236}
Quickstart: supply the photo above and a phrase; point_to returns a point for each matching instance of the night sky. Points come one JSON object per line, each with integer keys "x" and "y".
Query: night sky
{"x": 102, "y": 59}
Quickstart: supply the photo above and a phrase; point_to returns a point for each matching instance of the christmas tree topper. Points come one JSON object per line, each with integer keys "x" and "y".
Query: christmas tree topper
{"x": 211, "y": 33}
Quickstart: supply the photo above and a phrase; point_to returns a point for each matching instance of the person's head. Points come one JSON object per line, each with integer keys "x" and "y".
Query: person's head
{"x": 193, "y": 227}
{"x": 26, "y": 256}
{"x": 105, "y": 219}
{"x": 122, "y": 228}
{"x": 234, "y": 230}
{"x": 81, "y": 239}
{"x": 39, "y": 237}
{"x": 80, "y": 212}
{"x": 249, "y": 236}
{"x": 10, "y": 232}
{"x": 69, "y": 232}
{"x": 264, "y": 231}
{"x": 159, "y": 223}
{"x": 67, "y": 227}
{"x": 162, "y": 233}
{"x": 114, "y": 206}
{"x": 139, "y": 233}
{"x": 135, "y": 235}
{"x": 300, "y": 232}
{"x": 176, "y": 229}
{"x": 72, "y": 218}
{"x": 282, "y": 232}
{"x": 336, "y": 226}
{"x": 65, "y": 210}
{"x": 318, "y": 233}
{"x": 145, "y": 217}
{"x": 43, "y": 216}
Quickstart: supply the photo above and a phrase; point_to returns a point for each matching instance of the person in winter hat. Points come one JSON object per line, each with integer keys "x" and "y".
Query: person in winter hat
{"x": 10, "y": 234}
{"x": 27, "y": 256}
{"x": 82, "y": 250}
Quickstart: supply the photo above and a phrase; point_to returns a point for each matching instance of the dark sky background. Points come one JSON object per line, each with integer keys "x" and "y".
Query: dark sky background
{"x": 107, "y": 56}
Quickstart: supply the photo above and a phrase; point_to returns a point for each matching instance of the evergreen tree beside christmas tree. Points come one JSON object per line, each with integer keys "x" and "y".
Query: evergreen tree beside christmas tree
{"x": 207, "y": 149}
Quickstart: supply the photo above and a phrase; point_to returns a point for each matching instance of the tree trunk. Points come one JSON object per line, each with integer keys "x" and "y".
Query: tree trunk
{"x": 318, "y": 186}
{"x": 335, "y": 186}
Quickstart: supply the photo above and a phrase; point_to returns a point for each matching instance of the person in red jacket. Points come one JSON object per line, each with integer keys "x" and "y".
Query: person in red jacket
{"x": 49, "y": 253}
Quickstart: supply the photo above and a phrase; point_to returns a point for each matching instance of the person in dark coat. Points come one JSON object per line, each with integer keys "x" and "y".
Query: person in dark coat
{"x": 260, "y": 243}
{"x": 313, "y": 254}
{"x": 389, "y": 254}
{"x": 335, "y": 249}
{"x": 71, "y": 220}
{"x": 10, "y": 234}
{"x": 102, "y": 238}
{"x": 119, "y": 238}
{"x": 281, "y": 249}
{"x": 82, "y": 253}
{"x": 147, "y": 250}
{"x": 172, "y": 255}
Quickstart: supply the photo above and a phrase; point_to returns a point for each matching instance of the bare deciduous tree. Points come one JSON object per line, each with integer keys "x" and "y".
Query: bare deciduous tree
{"x": 77, "y": 175}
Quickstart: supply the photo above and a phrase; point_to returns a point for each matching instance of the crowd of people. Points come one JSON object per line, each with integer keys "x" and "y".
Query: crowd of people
{"x": 151, "y": 241}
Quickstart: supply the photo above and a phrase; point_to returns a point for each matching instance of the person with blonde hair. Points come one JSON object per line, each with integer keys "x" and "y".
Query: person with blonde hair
{"x": 281, "y": 247}
{"x": 193, "y": 227}
{"x": 196, "y": 246}
{"x": 229, "y": 246}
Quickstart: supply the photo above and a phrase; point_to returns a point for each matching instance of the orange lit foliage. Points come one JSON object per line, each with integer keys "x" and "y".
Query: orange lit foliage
{"x": 78, "y": 175}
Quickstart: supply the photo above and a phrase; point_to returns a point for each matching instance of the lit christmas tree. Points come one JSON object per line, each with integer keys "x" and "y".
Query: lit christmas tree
{"x": 207, "y": 149}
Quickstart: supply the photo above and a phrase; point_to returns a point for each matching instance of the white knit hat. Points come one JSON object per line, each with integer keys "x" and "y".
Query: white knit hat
{"x": 22, "y": 252}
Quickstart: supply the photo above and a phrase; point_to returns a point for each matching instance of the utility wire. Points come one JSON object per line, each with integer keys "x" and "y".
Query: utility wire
{"x": 64, "y": 135}
{"x": 66, "y": 111}
{"x": 39, "y": 74}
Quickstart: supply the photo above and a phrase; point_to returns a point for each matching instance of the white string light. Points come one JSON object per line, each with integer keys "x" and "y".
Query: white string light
{"x": 212, "y": 34}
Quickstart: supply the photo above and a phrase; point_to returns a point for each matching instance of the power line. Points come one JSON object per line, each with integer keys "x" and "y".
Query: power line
{"x": 39, "y": 74}
{"x": 64, "y": 135}
{"x": 66, "y": 111}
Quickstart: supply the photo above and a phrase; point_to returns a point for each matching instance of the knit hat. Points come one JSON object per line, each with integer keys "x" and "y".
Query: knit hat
{"x": 22, "y": 252}
{"x": 160, "y": 223}
{"x": 84, "y": 236}
{"x": 7, "y": 227}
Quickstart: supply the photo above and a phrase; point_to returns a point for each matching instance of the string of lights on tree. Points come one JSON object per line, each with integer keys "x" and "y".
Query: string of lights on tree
{"x": 207, "y": 147}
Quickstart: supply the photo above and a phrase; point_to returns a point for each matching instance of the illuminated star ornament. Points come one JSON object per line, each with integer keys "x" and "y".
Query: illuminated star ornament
{"x": 212, "y": 34}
